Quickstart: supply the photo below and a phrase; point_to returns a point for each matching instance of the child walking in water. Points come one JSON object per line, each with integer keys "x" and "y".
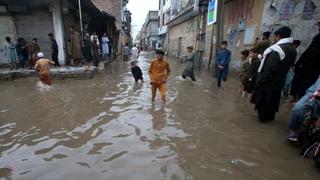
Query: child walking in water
{"x": 189, "y": 70}
{"x": 43, "y": 67}
{"x": 136, "y": 71}
{"x": 159, "y": 72}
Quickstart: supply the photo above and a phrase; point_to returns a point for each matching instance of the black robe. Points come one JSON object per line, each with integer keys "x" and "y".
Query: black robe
{"x": 307, "y": 69}
{"x": 270, "y": 81}
{"x": 252, "y": 75}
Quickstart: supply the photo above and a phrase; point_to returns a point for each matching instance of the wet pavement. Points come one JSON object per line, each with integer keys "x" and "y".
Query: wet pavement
{"x": 107, "y": 128}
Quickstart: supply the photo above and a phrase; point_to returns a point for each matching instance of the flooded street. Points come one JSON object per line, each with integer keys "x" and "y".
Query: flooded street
{"x": 107, "y": 128}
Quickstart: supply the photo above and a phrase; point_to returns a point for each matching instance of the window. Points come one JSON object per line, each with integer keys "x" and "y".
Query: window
{"x": 163, "y": 16}
{"x": 164, "y": 2}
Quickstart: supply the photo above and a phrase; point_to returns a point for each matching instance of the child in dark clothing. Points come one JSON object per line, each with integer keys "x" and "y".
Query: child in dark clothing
{"x": 243, "y": 73}
{"x": 136, "y": 72}
{"x": 252, "y": 73}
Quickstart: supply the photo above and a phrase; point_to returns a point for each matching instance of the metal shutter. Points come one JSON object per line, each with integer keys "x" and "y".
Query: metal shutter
{"x": 38, "y": 25}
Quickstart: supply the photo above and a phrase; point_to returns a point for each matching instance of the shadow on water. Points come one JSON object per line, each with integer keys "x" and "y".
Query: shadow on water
{"x": 107, "y": 128}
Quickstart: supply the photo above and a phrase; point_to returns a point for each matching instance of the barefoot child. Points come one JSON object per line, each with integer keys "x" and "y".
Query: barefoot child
{"x": 43, "y": 67}
{"x": 136, "y": 71}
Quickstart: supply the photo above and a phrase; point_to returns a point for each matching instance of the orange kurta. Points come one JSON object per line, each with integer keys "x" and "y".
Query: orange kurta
{"x": 43, "y": 66}
{"x": 159, "y": 71}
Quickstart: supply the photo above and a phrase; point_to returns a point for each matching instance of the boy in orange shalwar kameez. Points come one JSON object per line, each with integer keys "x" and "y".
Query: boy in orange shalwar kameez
{"x": 159, "y": 72}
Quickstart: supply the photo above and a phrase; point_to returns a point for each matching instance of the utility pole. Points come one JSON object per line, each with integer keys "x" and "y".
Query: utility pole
{"x": 218, "y": 28}
{"x": 80, "y": 15}
{"x": 219, "y": 35}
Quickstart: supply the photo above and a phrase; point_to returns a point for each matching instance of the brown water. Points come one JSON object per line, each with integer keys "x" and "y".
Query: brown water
{"x": 107, "y": 128}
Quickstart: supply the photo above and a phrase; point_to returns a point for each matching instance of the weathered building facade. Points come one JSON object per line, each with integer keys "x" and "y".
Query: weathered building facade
{"x": 36, "y": 18}
{"x": 186, "y": 27}
{"x": 245, "y": 21}
{"x": 117, "y": 8}
{"x": 164, "y": 18}
{"x": 149, "y": 38}
{"x": 242, "y": 22}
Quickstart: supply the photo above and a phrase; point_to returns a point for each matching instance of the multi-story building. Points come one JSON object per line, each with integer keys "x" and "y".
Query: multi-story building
{"x": 185, "y": 27}
{"x": 149, "y": 32}
{"x": 164, "y": 18}
{"x": 126, "y": 25}
{"x": 117, "y": 9}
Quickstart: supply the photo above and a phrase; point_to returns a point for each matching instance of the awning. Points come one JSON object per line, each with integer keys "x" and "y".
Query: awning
{"x": 91, "y": 9}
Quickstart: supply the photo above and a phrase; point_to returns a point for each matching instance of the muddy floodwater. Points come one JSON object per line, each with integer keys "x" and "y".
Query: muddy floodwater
{"x": 107, "y": 128}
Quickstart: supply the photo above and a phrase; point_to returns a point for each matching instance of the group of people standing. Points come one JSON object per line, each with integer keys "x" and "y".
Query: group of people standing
{"x": 92, "y": 50}
{"x": 132, "y": 53}
{"x": 271, "y": 69}
{"x": 22, "y": 54}
{"x": 89, "y": 48}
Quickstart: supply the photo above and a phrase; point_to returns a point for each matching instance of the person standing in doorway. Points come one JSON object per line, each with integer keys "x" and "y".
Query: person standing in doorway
{"x": 222, "y": 60}
{"x": 159, "y": 72}
{"x": 276, "y": 62}
{"x": 125, "y": 52}
{"x": 95, "y": 36}
{"x": 105, "y": 47}
{"x": 21, "y": 52}
{"x": 43, "y": 67}
{"x": 75, "y": 45}
{"x": 189, "y": 70}
{"x": 87, "y": 51}
{"x": 55, "y": 50}
{"x": 10, "y": 53}
{"x": 33, "y": 50}
{"x": 95, "y": 52}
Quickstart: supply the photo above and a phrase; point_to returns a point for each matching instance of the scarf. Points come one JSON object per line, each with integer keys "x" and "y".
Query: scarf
{"x": 277, "y": 49}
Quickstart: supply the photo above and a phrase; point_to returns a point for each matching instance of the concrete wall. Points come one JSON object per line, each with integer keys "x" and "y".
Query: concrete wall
{"x": 299, "y": 15}
{"x": 7, "y": 28}
{"x": 187, "y": 31}
{"x": 244, "y": 20}
{"x": 242, "y": 24}
{"x": 153, "y": 15}
{"x": 152, "y": 28}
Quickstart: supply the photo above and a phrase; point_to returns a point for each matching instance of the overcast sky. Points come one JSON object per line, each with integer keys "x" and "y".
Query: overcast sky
{"x": 139, "y": 10}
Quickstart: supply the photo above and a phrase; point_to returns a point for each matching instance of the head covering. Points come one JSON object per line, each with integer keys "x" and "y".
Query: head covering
{"x": 40, "y": 55}
{"x": 190, "y": 47}
{"x": 160, "y": 51}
